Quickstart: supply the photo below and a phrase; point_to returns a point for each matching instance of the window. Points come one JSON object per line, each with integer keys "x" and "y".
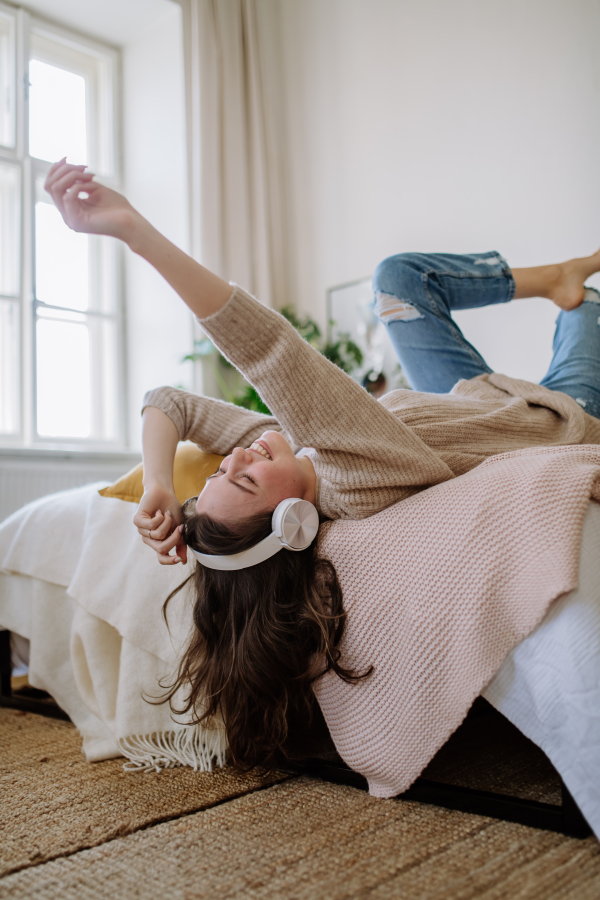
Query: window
{"x": 60, "y": 312}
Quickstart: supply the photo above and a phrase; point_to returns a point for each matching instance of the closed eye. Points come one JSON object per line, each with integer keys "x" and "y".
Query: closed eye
{"x": 221, "y": 471}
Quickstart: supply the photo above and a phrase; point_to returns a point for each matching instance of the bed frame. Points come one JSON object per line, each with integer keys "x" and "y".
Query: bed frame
{"x": 566, "y": 819}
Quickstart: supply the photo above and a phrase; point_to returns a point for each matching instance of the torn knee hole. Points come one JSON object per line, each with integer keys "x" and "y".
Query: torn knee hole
{"x": 393, "y": 309}
{"x": 592, "y": 295}
{"x": 488, "y": 261}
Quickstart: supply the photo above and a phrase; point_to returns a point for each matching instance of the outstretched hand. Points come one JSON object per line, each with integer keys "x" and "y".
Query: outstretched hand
{"x": 158, "y": 520}
{"x": 100, "y": 211}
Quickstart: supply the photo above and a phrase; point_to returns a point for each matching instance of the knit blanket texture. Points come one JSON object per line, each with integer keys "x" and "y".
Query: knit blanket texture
{"x": 438, "y": 589}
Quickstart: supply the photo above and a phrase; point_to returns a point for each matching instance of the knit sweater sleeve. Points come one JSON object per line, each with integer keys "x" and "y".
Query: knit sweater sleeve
{"x": 215, "y": 426}
{"x": 365, "y": 457}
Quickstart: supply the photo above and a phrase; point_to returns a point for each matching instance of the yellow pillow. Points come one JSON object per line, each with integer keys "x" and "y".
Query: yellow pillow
{"x": 190, "y": 471}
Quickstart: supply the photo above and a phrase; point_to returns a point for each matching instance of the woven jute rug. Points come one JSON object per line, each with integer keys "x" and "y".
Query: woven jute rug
{"x": 69, "y": 829}
{"x": 305, "y": 839}
{"x": 53, "y": 802}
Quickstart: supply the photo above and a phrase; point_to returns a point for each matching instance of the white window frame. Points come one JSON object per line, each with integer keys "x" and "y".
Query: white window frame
{"x": 108, "y": 166}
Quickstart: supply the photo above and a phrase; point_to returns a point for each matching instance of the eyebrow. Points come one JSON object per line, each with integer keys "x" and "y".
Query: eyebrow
{"x": 241, "y": 487}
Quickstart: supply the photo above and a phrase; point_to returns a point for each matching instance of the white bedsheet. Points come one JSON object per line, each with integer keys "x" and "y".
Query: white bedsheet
{"x": 549, "y": 685}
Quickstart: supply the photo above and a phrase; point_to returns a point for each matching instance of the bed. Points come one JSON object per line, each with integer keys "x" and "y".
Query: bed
{"x": 548, "y": 686}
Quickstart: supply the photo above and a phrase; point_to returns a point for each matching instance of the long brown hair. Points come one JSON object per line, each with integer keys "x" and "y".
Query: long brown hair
{"x": 262, "y": 636}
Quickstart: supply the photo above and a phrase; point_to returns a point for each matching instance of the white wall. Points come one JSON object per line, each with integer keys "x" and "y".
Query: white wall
{"x": 159, "y": 326}
{"x": 452, "y": 126}
{"x": 115, "y": 21}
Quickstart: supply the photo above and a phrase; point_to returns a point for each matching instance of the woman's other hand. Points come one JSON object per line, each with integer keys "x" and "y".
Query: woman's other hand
{"x": 158, "y": 520}
{"x": 102, "y": 211}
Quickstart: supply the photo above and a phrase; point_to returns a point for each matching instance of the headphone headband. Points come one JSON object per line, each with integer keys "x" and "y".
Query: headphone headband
{"x": 295, "y": 524}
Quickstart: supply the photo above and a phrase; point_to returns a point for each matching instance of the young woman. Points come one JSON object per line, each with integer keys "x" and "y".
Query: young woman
{"x": 269, "y": 621}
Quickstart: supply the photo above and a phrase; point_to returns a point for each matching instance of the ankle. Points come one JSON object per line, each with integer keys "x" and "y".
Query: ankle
{"x": 551, "y": 280}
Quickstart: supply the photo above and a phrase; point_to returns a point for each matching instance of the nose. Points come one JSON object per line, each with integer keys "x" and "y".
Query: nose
{"x": 240, "y": 459}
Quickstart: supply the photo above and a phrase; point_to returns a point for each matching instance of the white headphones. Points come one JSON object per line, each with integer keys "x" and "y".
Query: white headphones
{"x": 295, "y": 524}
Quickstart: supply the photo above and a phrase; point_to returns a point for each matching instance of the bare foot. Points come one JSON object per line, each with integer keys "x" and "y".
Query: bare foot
{"x": 566, "y": 286}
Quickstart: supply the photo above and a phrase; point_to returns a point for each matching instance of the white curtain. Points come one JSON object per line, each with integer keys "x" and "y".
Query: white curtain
{"x": 234, "y": 117}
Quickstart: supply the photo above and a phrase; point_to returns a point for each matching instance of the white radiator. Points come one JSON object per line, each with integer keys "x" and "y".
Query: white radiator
{"x": 27, "y": 475}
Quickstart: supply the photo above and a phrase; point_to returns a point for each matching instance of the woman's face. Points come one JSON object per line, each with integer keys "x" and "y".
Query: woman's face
{"x": 255, "y": 480}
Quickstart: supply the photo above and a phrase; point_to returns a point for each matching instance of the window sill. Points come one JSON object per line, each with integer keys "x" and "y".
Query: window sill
{"x": 128, "y": 457}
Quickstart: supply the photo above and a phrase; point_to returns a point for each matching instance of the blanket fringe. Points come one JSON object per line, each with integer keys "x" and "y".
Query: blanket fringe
{"x": 195, "y": 746}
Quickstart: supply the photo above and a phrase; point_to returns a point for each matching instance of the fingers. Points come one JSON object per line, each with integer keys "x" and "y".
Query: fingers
{"x": 61, "y": 164}
{"x": 162, "y": 529}
{"x": 55, "y": 166}
{"x": 163, "y": 548}
{"x": 68, "y": 180}
{"x": 91, "y": 187}
{"x": 158, "y": 525}
{"x": 64, "y": 177}
{"x": 158, "y": 533}
{"x": 58, "y": 170}
{"x": 144, "y": 521}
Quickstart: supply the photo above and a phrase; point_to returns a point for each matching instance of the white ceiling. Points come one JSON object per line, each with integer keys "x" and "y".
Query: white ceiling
{"x": 117, "y": 22}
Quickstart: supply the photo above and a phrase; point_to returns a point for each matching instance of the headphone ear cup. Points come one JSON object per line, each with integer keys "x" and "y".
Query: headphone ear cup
{"x": 296, "y": 523}
{"x": 279, "y": 514}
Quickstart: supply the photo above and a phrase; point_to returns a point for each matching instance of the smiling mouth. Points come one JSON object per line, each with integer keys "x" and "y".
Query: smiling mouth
{"x": 260, "y": 448}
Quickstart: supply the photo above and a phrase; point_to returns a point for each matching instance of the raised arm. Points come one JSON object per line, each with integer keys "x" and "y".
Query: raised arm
{"x": 368, "y": 457}
{"x": 92, "y": 208}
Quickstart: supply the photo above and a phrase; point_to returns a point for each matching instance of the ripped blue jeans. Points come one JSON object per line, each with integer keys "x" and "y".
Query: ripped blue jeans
{"x": 415, "y": 294}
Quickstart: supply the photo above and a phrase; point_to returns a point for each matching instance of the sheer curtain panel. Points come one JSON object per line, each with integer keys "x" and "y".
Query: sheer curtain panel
{"x": 236, "y": 166}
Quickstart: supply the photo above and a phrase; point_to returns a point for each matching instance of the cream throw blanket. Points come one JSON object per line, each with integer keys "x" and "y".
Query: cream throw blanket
{"x": 88, "y": 596}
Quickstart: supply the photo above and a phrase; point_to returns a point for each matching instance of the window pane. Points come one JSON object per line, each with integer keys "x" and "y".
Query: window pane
{"x": 57, "y": 113}
{"x": 63, "y": 379}
{"x": 9, "y": 229}
{"x": 61, "y": 260}
{"x": 103, "y": 276}
{"x": 7, "y": 80}
{"x": 9, "y": 367}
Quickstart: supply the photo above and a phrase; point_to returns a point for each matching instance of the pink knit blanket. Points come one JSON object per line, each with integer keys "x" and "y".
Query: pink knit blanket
{"x": 439, "y": 588}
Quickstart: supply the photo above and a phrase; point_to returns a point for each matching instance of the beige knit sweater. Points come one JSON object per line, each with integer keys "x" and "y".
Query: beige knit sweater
{"x": 367, "y": 454}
